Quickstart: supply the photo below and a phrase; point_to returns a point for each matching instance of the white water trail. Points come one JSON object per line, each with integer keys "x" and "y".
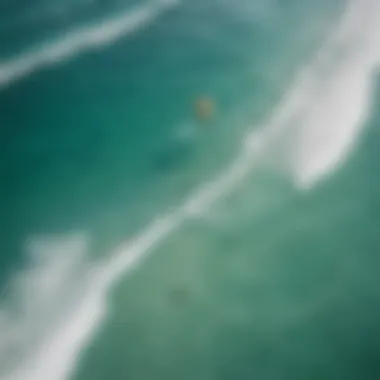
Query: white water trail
{"x": 56, "y": 306}
{"x": 63, "y": 298}
{"x": 320, "y": 120}
{"x": 81, "y": 40}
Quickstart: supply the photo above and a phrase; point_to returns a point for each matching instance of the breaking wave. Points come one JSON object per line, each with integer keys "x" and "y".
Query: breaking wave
{"x": 81, "y": 40}
{"x": 63, "y": 295}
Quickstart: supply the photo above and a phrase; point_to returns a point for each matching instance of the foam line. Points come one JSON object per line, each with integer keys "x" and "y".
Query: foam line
{"x": 322, "y": 115}
{"x": 71, "y": 294}
{"x": 80, "y": 40}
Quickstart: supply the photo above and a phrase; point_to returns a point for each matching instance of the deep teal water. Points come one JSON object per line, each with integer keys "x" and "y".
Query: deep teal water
{"x": 272, "y": 280}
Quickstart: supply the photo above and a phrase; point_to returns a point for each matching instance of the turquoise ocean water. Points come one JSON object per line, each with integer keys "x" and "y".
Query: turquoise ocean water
{"x": 140, "y": 243}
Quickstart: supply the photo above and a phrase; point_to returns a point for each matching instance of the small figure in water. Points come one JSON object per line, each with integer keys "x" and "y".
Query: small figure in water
{"x": 180, "y": 146}
{"x": 204, "y": 108}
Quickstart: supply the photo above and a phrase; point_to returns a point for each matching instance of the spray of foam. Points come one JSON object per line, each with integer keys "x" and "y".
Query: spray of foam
{"x": 56, "y": 305}
{"x": 322, "y": 115}
{"x": 63, "y": 296}
{"x": 80, "y": 40}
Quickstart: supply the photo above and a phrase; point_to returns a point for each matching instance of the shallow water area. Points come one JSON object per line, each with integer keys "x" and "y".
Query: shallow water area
{"x": 139, "y": 243}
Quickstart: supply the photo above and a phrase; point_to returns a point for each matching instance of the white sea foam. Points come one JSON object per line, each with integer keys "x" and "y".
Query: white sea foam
{"x": 56, "y": 305}
{"x": 80, "y": 40}
{"x": 321, "y": 117}
{"x": 62, "y": 298}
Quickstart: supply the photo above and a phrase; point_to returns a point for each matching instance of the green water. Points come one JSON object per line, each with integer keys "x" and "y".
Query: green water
{"x": 271, "y": 281}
